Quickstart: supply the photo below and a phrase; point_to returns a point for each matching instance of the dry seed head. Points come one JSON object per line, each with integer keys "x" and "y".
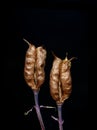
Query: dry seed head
{"x": 54, "y": 79}
{"x": 60, "y": 79}
{"x": 40, "y": 64}
{"x": 29, "y": 66}
{"x": 34, "y": 66}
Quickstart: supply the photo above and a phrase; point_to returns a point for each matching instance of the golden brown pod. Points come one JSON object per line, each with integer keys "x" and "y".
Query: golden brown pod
{"x": 55, "y": 86}
{"x": 65, "y": 78}
{"x": 60, "y": 79}
{"x": 39, "y": 66}
{"x": 34, "y": 66}
{"x": 29, "y": 68}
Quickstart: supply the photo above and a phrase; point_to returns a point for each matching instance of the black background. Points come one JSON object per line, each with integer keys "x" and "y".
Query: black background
{"x": 60, "y": 27}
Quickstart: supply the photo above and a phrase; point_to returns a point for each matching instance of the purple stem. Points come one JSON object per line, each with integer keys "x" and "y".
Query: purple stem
{"x": 60, "y": 116}
{"x": 38, "y": 110}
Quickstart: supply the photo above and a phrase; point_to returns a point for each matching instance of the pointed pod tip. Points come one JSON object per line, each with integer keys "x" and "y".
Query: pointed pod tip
{"x": 27, "y": 42}
{"x": 54, "y": 54}
{"x": 72, "y": 58}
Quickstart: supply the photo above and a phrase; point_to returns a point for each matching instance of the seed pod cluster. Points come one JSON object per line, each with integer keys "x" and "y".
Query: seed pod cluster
{"x": 34, "y": 66}
{"x": 60, "y": 79}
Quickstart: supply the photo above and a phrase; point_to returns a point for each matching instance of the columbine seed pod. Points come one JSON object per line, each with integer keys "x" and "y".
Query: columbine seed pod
{"x": 39, "y": 66}
{"x": 65, "y": 78}
{"x": 34, "y": 66}
{"x": 60, "y": 79}
{"x": 54, "y": 79}
{"x": 29, "y": 68}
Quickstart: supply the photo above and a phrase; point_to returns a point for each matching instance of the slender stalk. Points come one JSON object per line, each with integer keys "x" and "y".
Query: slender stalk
{"x": 59, "y": 106}
{"x": 38, "y": 110}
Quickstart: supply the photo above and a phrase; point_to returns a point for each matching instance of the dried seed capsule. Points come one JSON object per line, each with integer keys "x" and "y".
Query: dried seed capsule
{"x": 34, "y": 66}
{"x": 65, "y": 78}
{"x": 60, "y": 79}
{"x": 29, "y": 66}
{"x": 39, "y": 66}
{"x": 55, "y": 79}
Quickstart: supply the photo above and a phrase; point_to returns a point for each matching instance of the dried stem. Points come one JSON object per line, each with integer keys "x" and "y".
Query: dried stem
{"x": 38, "y": 110}
{"x": 59, "y": 106}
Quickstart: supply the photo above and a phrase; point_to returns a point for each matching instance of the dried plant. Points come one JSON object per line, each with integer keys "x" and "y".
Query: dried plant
{"x": 60, "y": 79}
{"x": 60, "y": 84}
{"x": 34, "y": 74}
